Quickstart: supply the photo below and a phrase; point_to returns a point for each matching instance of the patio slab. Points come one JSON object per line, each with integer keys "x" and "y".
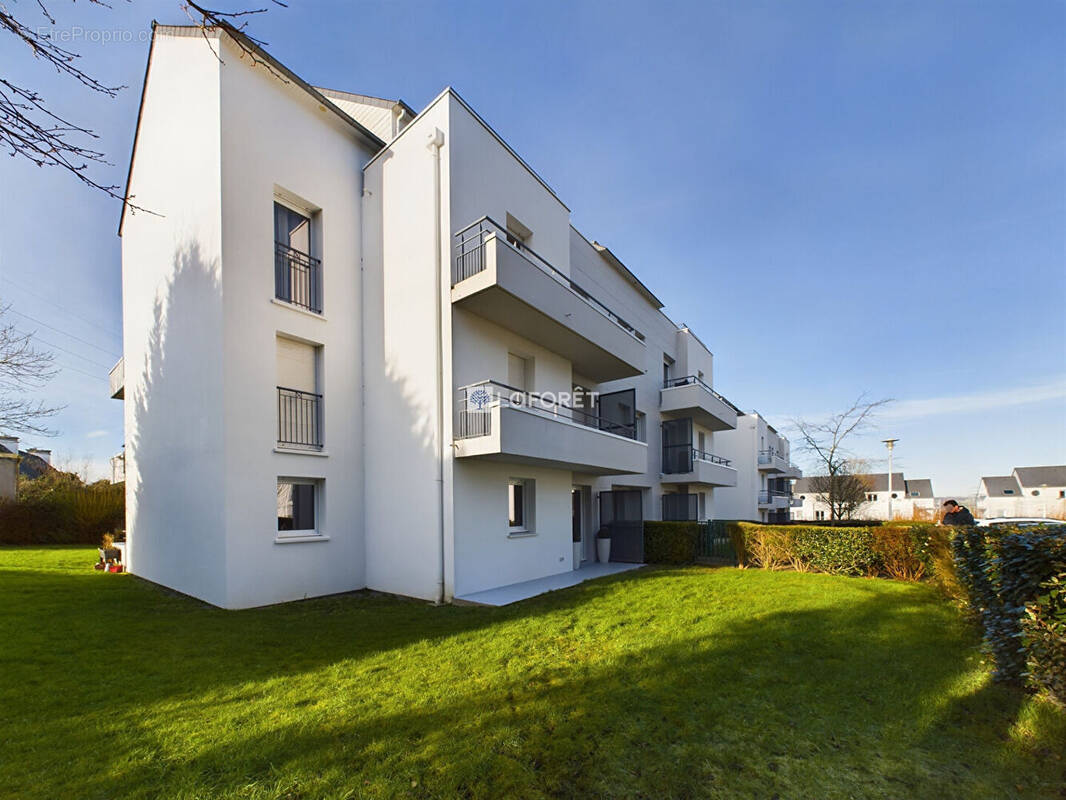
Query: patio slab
{"x": 505, "y": 595}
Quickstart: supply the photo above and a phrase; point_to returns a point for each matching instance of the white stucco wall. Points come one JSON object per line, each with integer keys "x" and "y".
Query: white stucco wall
{"x": 276, "y": 137}
{"x": 173, "y": 327}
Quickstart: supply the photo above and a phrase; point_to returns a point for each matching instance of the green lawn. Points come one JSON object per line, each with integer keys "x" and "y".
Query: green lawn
{"x": 659, "y": 683}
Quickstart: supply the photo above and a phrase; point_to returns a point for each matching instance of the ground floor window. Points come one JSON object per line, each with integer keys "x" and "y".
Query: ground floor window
{"x": 297, "y": 506}
{"x": 519, "y": 505}
{"x": 820, "y": 515}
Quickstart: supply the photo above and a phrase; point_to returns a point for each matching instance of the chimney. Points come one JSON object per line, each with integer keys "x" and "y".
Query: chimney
{"x": 11, "y": 443}
{"x": 44, "y": 455}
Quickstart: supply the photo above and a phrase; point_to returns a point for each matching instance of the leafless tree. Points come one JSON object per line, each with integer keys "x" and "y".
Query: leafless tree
{"x": 23, "y": 368}
{"x": 30, "y": 128}
{"x": 844, "y": 492}
{"x": 825, "y": 440}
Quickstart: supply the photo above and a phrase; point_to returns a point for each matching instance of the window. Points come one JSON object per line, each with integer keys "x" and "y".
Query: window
{"x": 703, "y": 505}
{"x": 299, "y": 400}
{"x": 1008, "y": 491}
{"x": 916, "y": 494}
{"x": 641, "y": 424}
{"x": 297, "y": 499}
{"x": 668, "y": 369}
{"x": 803, "y": 497}
{"x": 518, "y": 235}
{"x": 895, "y": 495}
{"x": 819, "y": 515}
{"x": 297, "y": 273}
{"x": 1036, "y": 493}
{"x": 519, "y": 505}
{"x": 1062, "y": 494}
{"x": 518, "y": 372}
{"x": 871, "y": 498}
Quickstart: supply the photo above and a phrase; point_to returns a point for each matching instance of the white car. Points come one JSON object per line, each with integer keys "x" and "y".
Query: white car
{"x": 1019, "y": 522}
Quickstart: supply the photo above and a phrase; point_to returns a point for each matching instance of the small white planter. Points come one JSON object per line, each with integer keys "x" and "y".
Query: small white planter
{"x": 603, "y": 550}
{"x": 577, "y": 555}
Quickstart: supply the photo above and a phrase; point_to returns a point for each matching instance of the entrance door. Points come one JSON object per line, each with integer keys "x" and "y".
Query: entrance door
{"x": 622, "y": 511}
{"x": 576, "y": 510}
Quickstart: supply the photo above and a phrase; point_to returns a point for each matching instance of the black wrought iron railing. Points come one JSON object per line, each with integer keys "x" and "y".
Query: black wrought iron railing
{"x": 297, "y": 278}
{"x": 769, "y": 495}
{"x": 470, "y": 260}
{"x": 299, "y": 419}
{"x": 696, "y": 380}
{"x": 681, "y": 458}
{"x": 476, "y": 401}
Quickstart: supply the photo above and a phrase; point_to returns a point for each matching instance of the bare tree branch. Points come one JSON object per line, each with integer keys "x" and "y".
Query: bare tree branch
{"x": 23, "y": 368}
{"x": 825, "y": 441}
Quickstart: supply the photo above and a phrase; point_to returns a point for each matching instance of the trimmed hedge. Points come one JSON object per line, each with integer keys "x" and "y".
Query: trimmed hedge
{"x": 904, "y": 552}
{"x": 670, "y": 542}
{"x": 1016, "y": 582}
{"x": 79, "y": 515}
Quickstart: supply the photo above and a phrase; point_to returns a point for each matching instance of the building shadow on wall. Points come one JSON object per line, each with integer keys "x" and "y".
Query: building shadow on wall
{"x": 177, "y": 440}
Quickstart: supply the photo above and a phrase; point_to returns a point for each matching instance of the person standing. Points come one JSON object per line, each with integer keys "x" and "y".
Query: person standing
{"x": 957, "y": 515}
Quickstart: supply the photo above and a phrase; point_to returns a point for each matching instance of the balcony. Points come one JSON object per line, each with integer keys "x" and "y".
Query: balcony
{"x": 520, "y": 291}
{"x": 500, "y": 423}
{"x": 690, "y": 396}
{"x": 774, "y": 461}
{"x": 299, "y": 420}
{"x": 297, "y": 278}
{"x": 117, "y": 377}
{"x": 795, "y": 502}
{"x": 775, "y": 499}
{"x": 686, "y": 464}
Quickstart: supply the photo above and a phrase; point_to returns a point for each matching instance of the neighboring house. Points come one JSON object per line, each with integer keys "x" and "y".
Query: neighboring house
{"x": 364, "y": 342}
{"x": 765, "y": 472}
{"x": 908, "y": 497}
{"x": 18, "y": 465}
{"x": 1026, "y": 492}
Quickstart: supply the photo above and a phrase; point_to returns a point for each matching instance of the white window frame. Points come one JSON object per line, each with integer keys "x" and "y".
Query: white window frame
{"x": 529, "y": 504}
{"x": 315, "y": 533}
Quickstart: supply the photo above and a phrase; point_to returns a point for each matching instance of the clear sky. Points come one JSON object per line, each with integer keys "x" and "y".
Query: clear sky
{"x": 838, "y": 197}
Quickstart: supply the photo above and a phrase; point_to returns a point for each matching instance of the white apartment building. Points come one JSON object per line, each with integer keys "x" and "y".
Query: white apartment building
{"x": 1026, "y": 492}
{"x": 762, "y": 457}
{"x": 359, "y": 344}
{"x": 907, "y": 496}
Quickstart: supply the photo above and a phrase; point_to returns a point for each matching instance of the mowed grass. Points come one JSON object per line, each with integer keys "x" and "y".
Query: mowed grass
{"x": 658, "y": 683}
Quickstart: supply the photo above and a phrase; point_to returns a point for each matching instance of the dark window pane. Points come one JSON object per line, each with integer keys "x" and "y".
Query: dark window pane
{"x": 515, "y": 505}
{"x": 296, "y": 507}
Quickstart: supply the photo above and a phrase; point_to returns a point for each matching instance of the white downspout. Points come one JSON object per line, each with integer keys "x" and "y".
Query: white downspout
{"x": 434, "y": 142}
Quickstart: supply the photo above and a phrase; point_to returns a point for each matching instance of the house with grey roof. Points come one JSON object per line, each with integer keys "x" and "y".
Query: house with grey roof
{"x": 1026, "y": 492}
{"x": 908, "y": 495}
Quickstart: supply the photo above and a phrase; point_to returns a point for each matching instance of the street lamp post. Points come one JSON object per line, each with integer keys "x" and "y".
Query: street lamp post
{"x": 890, "y": 443}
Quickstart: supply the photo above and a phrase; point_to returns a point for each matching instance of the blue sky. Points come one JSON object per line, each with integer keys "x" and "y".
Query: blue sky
{"x": 838, "y": 197}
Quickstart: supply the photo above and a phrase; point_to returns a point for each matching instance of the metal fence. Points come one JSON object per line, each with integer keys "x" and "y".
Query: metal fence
{"x": 297, "y": 278}
{"x": 299, "y": 418}
{"x": 713, "y": 542}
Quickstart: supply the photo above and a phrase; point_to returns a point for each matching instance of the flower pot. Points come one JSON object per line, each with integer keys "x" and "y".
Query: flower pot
{"x": 603, "y": 550}
{"x": 577, "y": 555}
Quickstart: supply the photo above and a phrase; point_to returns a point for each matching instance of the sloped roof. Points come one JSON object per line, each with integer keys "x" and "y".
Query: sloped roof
{"x": 1041, "y": 476}
{"x": 997, "y": 485}
{"x": 30, "y": 466}
{"x": 923, "y": 487}
{"x": 877, "y": 482}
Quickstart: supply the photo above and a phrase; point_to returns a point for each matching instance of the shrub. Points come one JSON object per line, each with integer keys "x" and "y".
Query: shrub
{"x": 670, "y": 542}
{"x": 1014, "y": 582}
{"x": 62, "y": 514}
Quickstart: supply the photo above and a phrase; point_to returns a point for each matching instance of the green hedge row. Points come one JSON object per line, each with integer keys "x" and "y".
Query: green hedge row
{"x": 1016, "y": 583}
{"x": 670, "y": 542}
{"x": 79, "y": 515}
{"x": 904, "y": 552}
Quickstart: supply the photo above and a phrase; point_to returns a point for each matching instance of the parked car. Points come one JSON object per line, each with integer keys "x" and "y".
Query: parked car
{"x": 1017, "y": 522}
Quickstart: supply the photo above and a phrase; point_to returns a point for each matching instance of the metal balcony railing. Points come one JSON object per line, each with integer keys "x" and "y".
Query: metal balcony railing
{"x": 679, "y": 458}
{"x": 690, "y": 380}
{"x": 297, "y": 278}
{"x": 768, "y": 495}
{"x": 476, "y": 401}
{"x": 470, "y": 260}
{"x": 299, "y": 419}
{"x": 774, "y": 456}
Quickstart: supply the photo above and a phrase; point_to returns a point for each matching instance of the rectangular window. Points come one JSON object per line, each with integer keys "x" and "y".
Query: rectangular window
{"x": 296, "y": 506}
{"x": 819, "y": 515}
{"x": 519, "y": 505}
{"x": 299, "y": 400}
{"x": 297, "y": 273}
